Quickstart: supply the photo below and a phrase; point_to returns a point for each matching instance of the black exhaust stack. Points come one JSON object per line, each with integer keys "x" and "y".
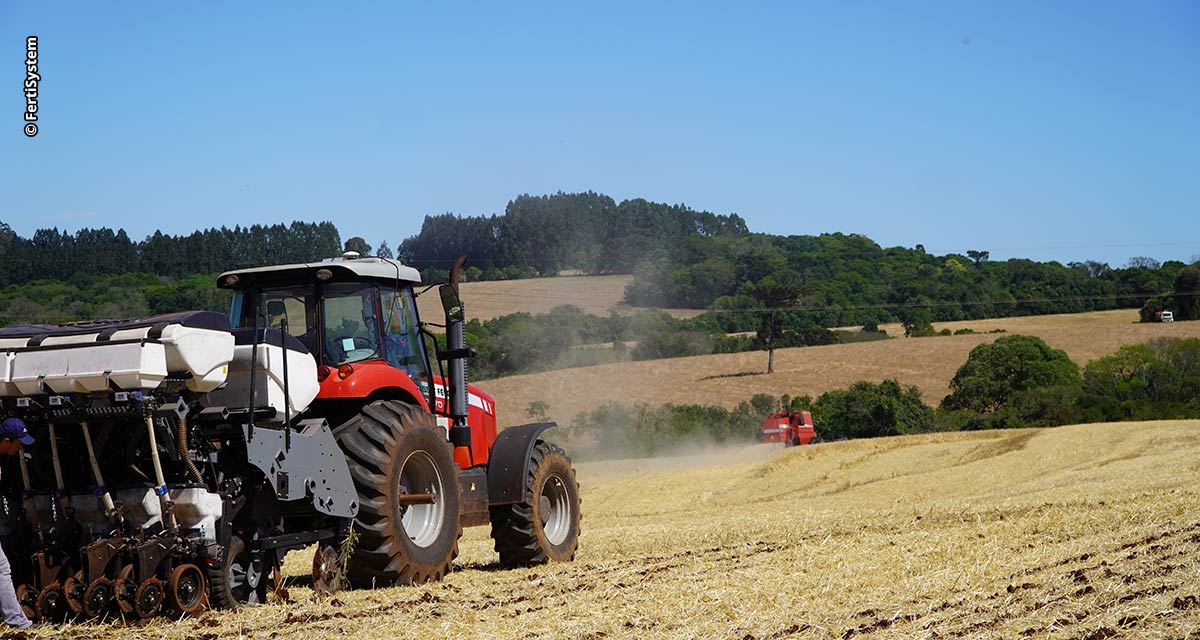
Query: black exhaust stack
{"x": 456, "y": 355}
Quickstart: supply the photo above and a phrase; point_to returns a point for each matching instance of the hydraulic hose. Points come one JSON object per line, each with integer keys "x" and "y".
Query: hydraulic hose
{"x": 110, "y": 509}
{"x": 182, "y": 445}
{"x": 164, "y": 498}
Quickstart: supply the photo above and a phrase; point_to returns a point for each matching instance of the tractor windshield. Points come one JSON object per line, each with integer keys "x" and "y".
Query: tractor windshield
{"x": 356, "y": 329}
{"x": 353, "y": 322}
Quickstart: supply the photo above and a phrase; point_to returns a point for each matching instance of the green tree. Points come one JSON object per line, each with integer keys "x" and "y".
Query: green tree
{"x": 868, "y": 410}
{"x": 1114, "y": 384}
{"x": 1187, "y": 293}
{"x": 1151, "y": 311}
{"x": 1142, "y": 262}
{"x": 917, "y": 322}
{"x": 774, "y": 295}
{"x": 358, "y": 244}
{"x": 978, "y": 257}
{"x": 995, "y": 372}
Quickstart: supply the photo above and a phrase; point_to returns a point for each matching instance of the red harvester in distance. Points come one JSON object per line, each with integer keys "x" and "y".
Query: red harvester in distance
{"x": 792, "y": 428}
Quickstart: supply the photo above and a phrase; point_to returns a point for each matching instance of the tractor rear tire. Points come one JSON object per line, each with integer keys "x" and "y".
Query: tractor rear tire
{"x": 546, "y": 528}
{"x": 395, "y": 448}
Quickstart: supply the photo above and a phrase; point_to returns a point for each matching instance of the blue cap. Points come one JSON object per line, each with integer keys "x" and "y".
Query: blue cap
{"x": 15, "y": 428}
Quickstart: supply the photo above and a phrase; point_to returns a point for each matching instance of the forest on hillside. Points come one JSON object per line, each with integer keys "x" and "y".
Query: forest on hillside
{"x": 694, "y": 259}
{"x": 780, "y": 286}
{"x": 542, "y": 235}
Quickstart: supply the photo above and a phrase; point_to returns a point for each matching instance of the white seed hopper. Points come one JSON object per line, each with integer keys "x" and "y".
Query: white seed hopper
{"x": 302, "y": 384}
{"x": 197, "y": 347}
{"x": 125, "y": 355}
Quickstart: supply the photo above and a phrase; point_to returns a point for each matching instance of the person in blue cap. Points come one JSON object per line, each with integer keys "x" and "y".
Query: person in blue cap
{"x": 13, "y": 436}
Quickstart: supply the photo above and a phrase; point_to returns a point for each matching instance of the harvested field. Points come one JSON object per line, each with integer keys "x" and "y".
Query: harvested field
{"x": 1080, "y": 532}
{"x": 928, "y": 363}
{"x": 494, "y": 298}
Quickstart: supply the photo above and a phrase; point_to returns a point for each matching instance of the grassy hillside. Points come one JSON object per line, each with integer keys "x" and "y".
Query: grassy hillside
{"x": 1077, "y": 532}
{"x": 928, "y": 363}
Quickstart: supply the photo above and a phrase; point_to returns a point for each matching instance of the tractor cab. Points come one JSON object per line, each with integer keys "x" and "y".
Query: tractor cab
{"x": 340, "y": 322}
{"x": 358, "y": 319}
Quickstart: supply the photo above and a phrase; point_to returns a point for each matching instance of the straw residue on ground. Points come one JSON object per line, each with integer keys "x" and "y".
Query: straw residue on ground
{"x": 1078, "y": 532}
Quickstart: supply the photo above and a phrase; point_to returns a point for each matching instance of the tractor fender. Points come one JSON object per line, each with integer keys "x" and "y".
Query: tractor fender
{"x": 508, "y": 463}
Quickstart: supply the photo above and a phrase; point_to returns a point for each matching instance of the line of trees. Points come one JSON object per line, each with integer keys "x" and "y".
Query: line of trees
{"x": 841, "y": 279}
{"x": 779, "y": 287}
{"x": 51, "y": 254}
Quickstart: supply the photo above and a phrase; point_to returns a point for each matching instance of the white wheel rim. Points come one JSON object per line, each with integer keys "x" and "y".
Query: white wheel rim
{"x": 422, "y": 522}
{"x": 245, "y": 574}
{"x": 555, "y": 507}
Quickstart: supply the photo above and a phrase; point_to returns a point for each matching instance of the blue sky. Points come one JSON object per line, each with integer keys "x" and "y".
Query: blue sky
{"x": 1063, "y": 130}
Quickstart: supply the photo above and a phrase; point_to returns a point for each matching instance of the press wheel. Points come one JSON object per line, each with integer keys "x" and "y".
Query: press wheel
{"x": 97, "y": 597}
{"x": 148, "y": 599}
{"x": 186, "y": 591}
{"x": 73, "y": 589}
{"x": 123, "y": 589}
{"x": 28, "y": 599}
{"x": 51, "y": 604}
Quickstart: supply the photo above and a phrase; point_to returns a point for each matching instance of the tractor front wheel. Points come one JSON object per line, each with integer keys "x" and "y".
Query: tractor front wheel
{"x": 546, "y": 527}
{"x": 403, "y": 467}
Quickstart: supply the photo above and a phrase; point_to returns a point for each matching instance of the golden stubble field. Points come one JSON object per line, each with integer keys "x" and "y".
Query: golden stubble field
{"x": 928, "y": 363}
{"x": 1080, "y": 533}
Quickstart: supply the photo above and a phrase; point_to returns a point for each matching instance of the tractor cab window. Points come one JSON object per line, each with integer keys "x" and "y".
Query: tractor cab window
{"x": 350, "y": 323}
{"x": 401, "y": 334}
{"x": 292, "y": 306}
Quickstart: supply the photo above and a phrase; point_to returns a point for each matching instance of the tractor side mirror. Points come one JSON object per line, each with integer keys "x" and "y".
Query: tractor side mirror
{"x": 451, "y": 303}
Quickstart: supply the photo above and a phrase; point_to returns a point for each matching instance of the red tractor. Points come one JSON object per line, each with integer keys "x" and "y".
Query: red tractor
{"x": 176, "y": 459}
{"x": 393, "y": 415}
{"x": 792, "y": 428}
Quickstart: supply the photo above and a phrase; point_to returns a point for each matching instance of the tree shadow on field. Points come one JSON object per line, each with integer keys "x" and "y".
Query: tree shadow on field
{"x": 741, "y": 374}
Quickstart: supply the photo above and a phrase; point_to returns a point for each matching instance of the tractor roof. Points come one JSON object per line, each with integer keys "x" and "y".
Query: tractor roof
{"x": 344, "y": 268}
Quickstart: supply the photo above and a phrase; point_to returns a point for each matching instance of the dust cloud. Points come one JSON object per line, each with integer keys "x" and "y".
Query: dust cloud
{"x": 599, "y": 467}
